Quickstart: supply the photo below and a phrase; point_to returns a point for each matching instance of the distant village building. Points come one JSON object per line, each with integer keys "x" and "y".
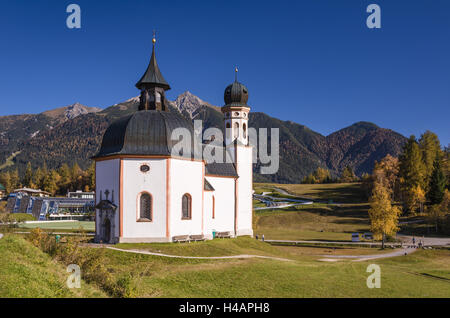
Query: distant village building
{"x": 145, "y": 193}
{"x": 33, "y": 192}
{"x": 42, "y": 206}
{"x": 81, "y": 195}
{"x": 2, "y": 190}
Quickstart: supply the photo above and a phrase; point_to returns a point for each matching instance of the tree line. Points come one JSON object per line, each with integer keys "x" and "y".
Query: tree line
{"x": 415, "y": 183}
{"x": 56, "y": 181}
{"x": 323, "y": 175}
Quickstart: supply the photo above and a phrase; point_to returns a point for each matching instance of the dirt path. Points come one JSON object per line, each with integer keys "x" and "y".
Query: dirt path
{"x": 360, "y": 258}
{"x": 197, "y": 257}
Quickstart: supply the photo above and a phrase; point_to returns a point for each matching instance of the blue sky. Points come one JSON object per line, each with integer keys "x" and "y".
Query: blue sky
{"x": 314, "y": 62}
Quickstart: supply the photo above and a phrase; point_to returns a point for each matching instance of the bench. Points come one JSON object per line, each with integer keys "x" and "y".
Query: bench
{"x": 223, "y": 235}
{"x": 180, "y": 238}
{"x": 197, "y": 237}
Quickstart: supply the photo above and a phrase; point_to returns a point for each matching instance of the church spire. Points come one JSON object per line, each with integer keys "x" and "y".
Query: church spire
{"x": 152, "y": 85}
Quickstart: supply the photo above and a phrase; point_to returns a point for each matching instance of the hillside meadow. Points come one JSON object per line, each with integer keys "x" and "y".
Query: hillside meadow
{"x": 28, "y": 272}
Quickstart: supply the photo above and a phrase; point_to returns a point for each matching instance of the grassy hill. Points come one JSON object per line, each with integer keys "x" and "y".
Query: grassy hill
{"x": 25, "y": 271}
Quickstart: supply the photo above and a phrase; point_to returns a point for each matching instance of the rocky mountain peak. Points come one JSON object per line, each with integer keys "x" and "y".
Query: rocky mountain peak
{"x": 77, "y": 109}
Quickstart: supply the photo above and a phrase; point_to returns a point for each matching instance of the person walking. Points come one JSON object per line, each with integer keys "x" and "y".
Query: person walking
{"x": 262, "y": 237}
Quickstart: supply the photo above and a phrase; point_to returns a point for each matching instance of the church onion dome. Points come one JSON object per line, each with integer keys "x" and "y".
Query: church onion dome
{"x": 236, "y": 94}
{"x": 152, "y": 76}
{"x": 146, "y": 132}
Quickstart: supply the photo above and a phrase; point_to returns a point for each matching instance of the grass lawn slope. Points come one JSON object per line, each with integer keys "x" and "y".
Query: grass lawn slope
{"x": 25, "y": 271}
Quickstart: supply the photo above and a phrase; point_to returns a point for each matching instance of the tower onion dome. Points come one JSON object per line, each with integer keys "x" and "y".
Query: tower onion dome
{"x": 236, "y": 94}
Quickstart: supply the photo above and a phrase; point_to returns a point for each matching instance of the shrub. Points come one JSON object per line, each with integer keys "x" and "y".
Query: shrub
{"x": 91, "y": 261}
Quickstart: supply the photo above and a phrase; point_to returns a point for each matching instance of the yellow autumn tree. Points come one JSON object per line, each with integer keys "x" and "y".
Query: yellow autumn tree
{"x": 383, "y": 215}
{"x": 415, "y": 199}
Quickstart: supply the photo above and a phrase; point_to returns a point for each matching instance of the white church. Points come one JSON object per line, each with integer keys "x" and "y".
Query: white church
{"x": 146, "y": 193}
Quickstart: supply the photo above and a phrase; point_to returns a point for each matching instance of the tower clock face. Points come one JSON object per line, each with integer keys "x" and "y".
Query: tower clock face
{"x": 145, "y": 168}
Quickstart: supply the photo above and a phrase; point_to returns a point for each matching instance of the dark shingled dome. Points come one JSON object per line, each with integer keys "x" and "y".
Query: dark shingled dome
{"x": 236, "y": 94}
{"x": 146, "y": 132}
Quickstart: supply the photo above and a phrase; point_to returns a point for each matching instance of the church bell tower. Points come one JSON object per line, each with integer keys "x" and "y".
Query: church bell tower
{"x": 153, "y": 86}
{"x": 236, "y": 112}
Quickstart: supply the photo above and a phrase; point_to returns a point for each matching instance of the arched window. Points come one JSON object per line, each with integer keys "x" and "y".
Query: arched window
{"x": 244, "y": 130}
{"x": 228, "y": 125}
{"x": 236, "y": 130}
{"x": 186, "y": 207}
{"x": 145, "y": 207}
{"x": 213, "y": 207}
{"x": 158, "y": 97}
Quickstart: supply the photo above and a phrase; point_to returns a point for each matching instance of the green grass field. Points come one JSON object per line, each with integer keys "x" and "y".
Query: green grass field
{"x": 425, "y": 273}
{"x": 77, "y": 225}
{"x": 422, "y": 274}
{"x": 337, "y": 192}
{"x": 25, "y": 271}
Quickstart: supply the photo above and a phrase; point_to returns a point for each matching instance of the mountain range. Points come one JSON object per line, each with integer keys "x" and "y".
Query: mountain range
{"x": 73, "y": 134}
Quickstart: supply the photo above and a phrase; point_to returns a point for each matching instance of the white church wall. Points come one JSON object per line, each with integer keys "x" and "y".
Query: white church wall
{"x": 245, "y": 187}
{"x": 186, "y": 177}
{"x": 134, "y": 183}
{"x": 224, "y": 206}
{"x": 107, "y": 178}
{"x": 208, "y": 210}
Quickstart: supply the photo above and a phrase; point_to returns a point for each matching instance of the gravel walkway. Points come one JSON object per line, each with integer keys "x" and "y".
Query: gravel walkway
{"x": 197, "y": 257}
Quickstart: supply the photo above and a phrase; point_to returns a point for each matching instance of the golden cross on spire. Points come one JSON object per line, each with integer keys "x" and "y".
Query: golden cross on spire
{"x": 235, "y": 73}
{"x": 154, "y": 37}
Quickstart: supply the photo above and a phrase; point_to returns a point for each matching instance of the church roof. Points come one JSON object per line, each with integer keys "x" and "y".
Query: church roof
{"x": 152, "y": 75}
{"x": 105, "y": 205}
{"x": 146, "y": 132}
{"x": 221, "y": 169}
{"x": 208, "y": 186}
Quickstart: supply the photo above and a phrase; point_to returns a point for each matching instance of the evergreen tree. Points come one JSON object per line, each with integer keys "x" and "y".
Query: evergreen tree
{"x": 28, "y": 177}
{"x": 15, "y": 180}
{"x": 348, "y": 175}
{"x": 322, "y": 175}
{"x": 65, "y": 183}
{"x": 5, "y": 179}
{"x": 437, "y": 183}
{"x": 91, "y": 177}
{"x": 430, "y": 147}
{"x": 50, "y": 182}
{"x": 38, "y": 178}
{"x": 411, "y": 172}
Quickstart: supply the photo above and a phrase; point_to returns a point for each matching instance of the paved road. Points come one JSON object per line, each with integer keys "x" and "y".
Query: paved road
{"x": 427, "y": 241}
{"x": 197, "y": 257}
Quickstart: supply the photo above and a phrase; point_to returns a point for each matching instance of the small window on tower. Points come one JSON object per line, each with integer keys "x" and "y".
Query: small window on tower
{"x": 158, "y": 97}
{"x": 228, "y": 125}
{"x": 236, "y": 114}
